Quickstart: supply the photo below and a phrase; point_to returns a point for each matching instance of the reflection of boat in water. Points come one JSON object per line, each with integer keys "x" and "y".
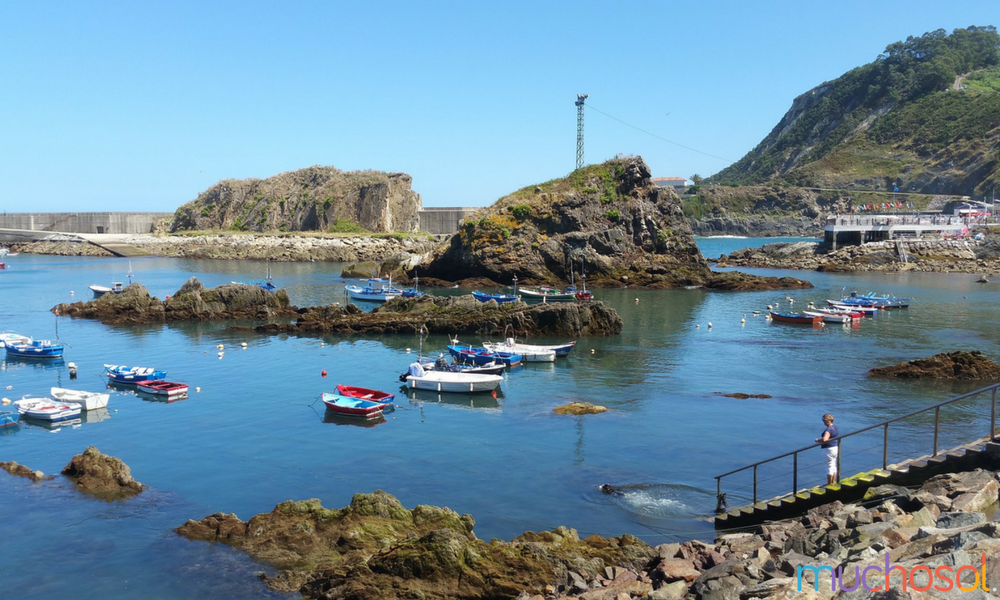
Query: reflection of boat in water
{"x": 332, "y": 417}
{"x": 95, "y": 415}
{"x": 53, "y": 425}
{"x": 160, "y": 398}
{"x": 483, "y": 402}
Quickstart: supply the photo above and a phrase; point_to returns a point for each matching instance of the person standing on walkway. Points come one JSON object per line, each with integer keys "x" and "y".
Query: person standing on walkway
{"x": 830, "y": 446}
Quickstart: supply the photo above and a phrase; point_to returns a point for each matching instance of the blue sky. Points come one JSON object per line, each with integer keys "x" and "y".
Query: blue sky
{"x": 144, "y": 105}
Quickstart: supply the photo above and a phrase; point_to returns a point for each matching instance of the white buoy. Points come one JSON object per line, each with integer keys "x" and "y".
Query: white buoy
{"x": 407, "y": 350}
{"x": 197, "y": 389}
{"x": 593, "y": 351}
{"x": 221, "y": 347}
{"x": 709, "y": 324}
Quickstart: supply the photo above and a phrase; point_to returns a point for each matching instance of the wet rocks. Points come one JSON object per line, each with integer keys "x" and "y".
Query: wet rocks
{"x": 579, "y": 408}
{"x": 962, "y": 364}
{"x": 376, "y": 548}
{"x": 455, "y": 315}
{"x": 192, "y": 302}
{"x": 21, "y": 471}
{"x": 101, "y": 475}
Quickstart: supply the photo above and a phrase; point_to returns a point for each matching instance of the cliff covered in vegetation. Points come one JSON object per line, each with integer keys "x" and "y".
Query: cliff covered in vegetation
{"x": 312, "y": 199}
{"x": 921, "y": 117}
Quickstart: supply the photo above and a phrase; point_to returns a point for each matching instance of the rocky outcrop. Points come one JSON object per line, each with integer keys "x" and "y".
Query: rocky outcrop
{"x": 192, "y": 302}
{"x": 963, "y": 364}
{"x": 609, "y": 219}
{"x": 455, "y": 315}
{"x": 579, "y": 408}
{"x": 376, "y": 548}
{"x": 19, "y": 470}
{"x": 312, "y": 199}
{"x": 101, "y": 475}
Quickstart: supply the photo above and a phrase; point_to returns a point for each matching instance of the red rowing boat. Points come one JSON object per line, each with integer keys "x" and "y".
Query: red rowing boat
{"x": 162, "y": 388}
{"x": 353, "y": 391}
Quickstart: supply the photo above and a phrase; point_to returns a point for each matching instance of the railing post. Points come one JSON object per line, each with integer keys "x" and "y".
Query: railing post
{"x": 993, "y": 416}
{"x": 755, "y": 484}
{"x": 795, "y": 473}
{"x": 840, "y": 452}
{"x": 885, "y": 447}
{"x": 937, "y": 421}
{"x": 718, "y": 487}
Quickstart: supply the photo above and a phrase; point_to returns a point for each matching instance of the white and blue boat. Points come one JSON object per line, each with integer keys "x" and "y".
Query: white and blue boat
{"x": 131, "y": 375}
{"x": 500, "y": 298}
{"x": 34, "y": 349}
{"x": 267, "y": 284}
{"x": 13, "y": 338}
{"x": 46, "y": 409}
{"x": 377, "y": 290}
{"x": 9, "y": 418}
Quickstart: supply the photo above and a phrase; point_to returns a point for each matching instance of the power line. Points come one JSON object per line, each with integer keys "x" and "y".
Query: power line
{"x": 592, "y": 107}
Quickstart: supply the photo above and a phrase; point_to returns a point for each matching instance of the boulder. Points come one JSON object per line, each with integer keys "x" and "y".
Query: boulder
{"x": 21, "y": 471}
{"x": 101, "y": 475}
{"x": 962, "y": 364}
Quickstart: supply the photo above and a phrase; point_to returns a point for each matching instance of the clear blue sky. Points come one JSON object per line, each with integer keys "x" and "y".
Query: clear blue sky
{"x": 143, "y": 105}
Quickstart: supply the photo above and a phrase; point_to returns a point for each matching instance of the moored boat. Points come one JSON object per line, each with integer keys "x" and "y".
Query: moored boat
{"x": 353, "y": 407}
{"x": 13, "y": 338}
{"x": 446, "y": 381}
{"x": 377, "y": 290}
{"x": 117, "y": 287}
{"x": 875, "y": 300}
{"x": 353, "y": 391}
{"x": 9, "y": 418}
{"x": 35, "y": 349}
{"x": 131, "y": 375}
{"x": 480, "y": 356}
{"x": 546, "y": 294}
{"x": 528, "y": 352}
{"x": 830, "y": 317}
{"x": 797, "y": 318}
{"x": 86, "y": 400}
{"x": 46, "y": 409}
{"x": 161, "y": 387}
{"x": 499, "y": 298}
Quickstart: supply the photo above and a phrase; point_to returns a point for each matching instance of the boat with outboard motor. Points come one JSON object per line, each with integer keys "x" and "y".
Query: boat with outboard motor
{"x": 447, "y": 381}
{"x": 46, "y": 409}
{"x": 377, "y": 290}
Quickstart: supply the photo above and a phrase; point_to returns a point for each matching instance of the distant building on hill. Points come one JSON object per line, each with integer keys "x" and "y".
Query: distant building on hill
{"x": 678, "y": 183}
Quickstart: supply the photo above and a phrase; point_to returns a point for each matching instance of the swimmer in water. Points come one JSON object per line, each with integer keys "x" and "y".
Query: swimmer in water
{"x": 610, "y": 490}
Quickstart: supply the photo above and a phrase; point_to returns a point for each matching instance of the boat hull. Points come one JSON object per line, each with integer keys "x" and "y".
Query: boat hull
{"x": 45, "y": 409}
{"x": 9, "y": 418}
{"x": 159, "y": 387}
{"x": 43, "y": 349}
{"x": 442, "y": 381}
{"x": 796, "y": 318}
{"x": 86, "y": 400}
{"x": 499, "y": 298}
{"x": 352, "y": 407}
{"x": 132, "y": 375}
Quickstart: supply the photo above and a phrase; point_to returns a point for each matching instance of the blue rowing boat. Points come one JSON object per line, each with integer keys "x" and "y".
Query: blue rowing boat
{"x": 500, "y": 298}
{"x": 130, "y": 375}
{"x": 480, "y": 356}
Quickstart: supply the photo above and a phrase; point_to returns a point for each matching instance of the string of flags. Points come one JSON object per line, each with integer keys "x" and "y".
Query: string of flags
{"x": 882, "y": 206}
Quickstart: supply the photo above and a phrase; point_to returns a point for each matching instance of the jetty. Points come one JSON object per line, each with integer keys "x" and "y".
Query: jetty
{"x": 862, "y": 446}
{"x": 855, "y": 230}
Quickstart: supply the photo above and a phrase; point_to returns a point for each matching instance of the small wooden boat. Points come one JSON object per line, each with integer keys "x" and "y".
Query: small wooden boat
{"x": 131, "y": 375}
{"x": 546, "y": 294}
{"x": 797, "y": 318}
{"x": 838, "y": 305}
{"x": 13, "y": 338}
{"x": 87, "y": 400}
{"x": 161, "y": 387}
{"x": 353, "y": 407}
{"x": 528, "y": 352}
{"x": 9, "y": 418}
{"x": 46, "y": 409}
{"x": 445, "y": 381}
{"x": 480, "y": 356}
{"x": 353, "y": 391}
{"x": 35, "y": 349}
{"x": 499, "y": 298}
{"x": 830, "y": 317}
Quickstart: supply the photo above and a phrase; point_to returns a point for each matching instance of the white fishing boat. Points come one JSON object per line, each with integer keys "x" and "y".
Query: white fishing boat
{"x": 377, "y": 290}
{"x": 46, "y": 409}
{"x": 447, "y": 381}
{"x": 528, "y": 352}
{"x": 12, "y": 339}
{"x": 87, "y": 400}
{"x": 829, "y": 317}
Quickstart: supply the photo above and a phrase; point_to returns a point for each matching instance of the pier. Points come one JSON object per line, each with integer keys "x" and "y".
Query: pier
{"x": 860, "y": 229}
{"x": 863, "y": 447}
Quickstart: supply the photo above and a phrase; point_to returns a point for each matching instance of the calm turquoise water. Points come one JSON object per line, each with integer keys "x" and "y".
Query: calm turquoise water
{"x": 255, "y": 435}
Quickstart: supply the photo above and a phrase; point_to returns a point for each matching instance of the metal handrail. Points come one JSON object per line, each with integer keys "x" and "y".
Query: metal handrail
{"x": 885, "y": 440}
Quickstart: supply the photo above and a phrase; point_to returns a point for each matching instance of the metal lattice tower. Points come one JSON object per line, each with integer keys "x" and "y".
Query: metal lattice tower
{"x": 579, "y": 129}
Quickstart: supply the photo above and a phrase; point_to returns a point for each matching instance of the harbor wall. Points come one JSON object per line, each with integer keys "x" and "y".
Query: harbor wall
{"x": 84, "y": 222}
{"x": 443, "y": 220}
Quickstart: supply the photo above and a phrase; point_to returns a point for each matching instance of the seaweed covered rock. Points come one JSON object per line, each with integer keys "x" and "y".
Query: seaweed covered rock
{"x": 456, "y": 315}
{"x": 101, "y": 475}
{"x": 376, "y": 548}
{"x": 192, "y": 302}
{"x": 963, "y": 364}
{"x": 20, "y": 470}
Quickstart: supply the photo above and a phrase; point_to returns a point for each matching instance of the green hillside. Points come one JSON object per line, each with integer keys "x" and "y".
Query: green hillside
{"x": 925, "y": 115}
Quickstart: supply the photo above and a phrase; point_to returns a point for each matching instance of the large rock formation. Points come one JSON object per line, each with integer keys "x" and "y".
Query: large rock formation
{"x": 101, "y": 475}
{"x": 963, "y": 364}
{"x": 313, "y": 199}
{"x": 608, "y": 217}
{"x": 376, "y": 548}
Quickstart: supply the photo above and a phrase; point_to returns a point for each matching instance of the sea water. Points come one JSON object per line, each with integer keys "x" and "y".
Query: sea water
{"x": 255, "y": 434}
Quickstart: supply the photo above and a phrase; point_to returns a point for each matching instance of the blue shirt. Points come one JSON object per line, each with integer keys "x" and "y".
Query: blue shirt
{"x": 833, "y": 442}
